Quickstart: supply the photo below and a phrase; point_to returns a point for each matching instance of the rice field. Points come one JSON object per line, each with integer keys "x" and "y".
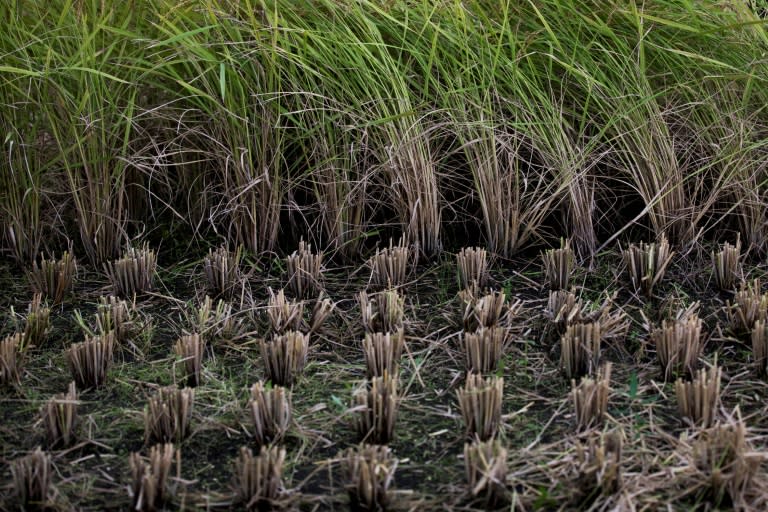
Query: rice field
{"x": 367, "y": 255}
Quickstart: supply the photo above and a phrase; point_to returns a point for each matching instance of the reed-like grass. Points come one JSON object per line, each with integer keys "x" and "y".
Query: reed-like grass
{"x": 90, "y": 360}
{"x": 11, "y": 359}
{"x": 59, "y": 418}
{"x": 480, "y": 405}
{"x": 32, "y": 476}
{"x": 258, "y": 480}
{"x": 377, "y": 402}
{"x": 168, "y": 415}
{"x": 485, "y": 464}
{"x": 270, "y": 411}
{"x": 54, "y": 278}
{"x": 370, "y": 471}
{"x": 151, "y": 486}
{"x": 285, "y": 356}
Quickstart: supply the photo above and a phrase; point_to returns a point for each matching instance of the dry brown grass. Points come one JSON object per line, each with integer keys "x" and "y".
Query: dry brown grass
{"x": 384, "y": 312}
{"x": 558, "y": 266}
{"x": 285, "y": 357}
{"x": 480, "y": 405}
{"x": 382, "y": 353}
{"x": 749, "y": 305}
{"x": 31, "y": 477}
{"x": 217, "y": 324}
{"x": 727, "y": 265}
{"x": 304, "y": 272}
{"x": 134, "y": 272}
{"x": 678, "y": 345}
{"x": 54, "y": 278}
{"x": 284, "y": 315}
{"x": 191, "y": 348}
{"x": 472, "y": 268}
{"x": 11, "y": 359}
{"x": 59, "y": 418}
{"x": 489, "y": 310}
{"x": 580, "y": 349}
{"x": 698, "y": 400}
{"x": 90, "y": 360}
{"x": 151, "y": 479}
{"x": 258, "y": 480}
{"x": 271, "y": 413}
{"x": 590, "y": 398}
{"x": 390, "y": 266}
{"x": 646, "y": 264}
{"x": 483, "y": 349}
{"x": 377, "y": 403}
{"x": 370, "y": 471}
{"x": 725, "y": 461}
{"x": 37, "y": 322}
{"x": 598, "y": 464}
{"x": 485, "y": 464}
{"x": 168, "y": 415}
{"x": 119, "y": 316}
{"x": 760, "y": 347}
{"x": 222, "y": 271}
{"x": 321, "y": 311}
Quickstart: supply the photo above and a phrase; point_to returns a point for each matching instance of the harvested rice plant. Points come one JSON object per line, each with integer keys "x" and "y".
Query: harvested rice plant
{"x": 396, "y": 255}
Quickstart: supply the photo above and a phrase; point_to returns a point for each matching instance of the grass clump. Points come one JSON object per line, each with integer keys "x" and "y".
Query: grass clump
{"x": 697, "y": 401}
{"x": 285, "y": 357}
{"x": 384, "y": 312}
{"x": 485, "y": 464}
{"x": 598, "y": 464}
{"x": 370, "y": 471}
{"x": 377, "y": 403}
{"x": 151, "y": 487}
{"x": 646, "y": 264}
{"x": 725, "y": 461}
{"x": 678, "y": 345}
{"x": 37, "y": 322}
{"x": 12, "y": 359}
{"x": 216, "y": 323}
{"x": 134, "y": 272}
{"x": 749, "y": 305}
{"x": 489, "y": 310}
{"x": 31, "y": 480}
{"x": 590, "y": 398}
{"x": 54, "y": 278}
{"x": 760, "y": 347}
{"x": 382, "y": 353}
{"x": 270, "y": 409}
{"x": 483, "y": 349}
{"x": 284, "y": 315}
{"x": 258, "y": 480}
{"x": 580, "y": 349}
{"x": 727, "y": 265}
{"x": 304, "y": 269}
{"x": 222, "y": 271}
{"x": 480, "y": 405}
{"x": 90, "y": 360}
{"x": 59, "y": 418}
{"x": 390, "y": 266}
{"x": 168, "y": 415}
{"x": 472, "y": 268}
{"x": 191, "y": 348}
{"x": 558, "y": 266}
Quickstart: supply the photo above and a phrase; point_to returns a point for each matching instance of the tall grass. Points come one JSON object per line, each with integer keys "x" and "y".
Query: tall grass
{"x": 266, "y": 120}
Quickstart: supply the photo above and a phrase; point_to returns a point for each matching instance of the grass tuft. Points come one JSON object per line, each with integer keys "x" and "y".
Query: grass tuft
{"x": 134, "y": 272}
{"x": 485, "y": 464}
{"x": 580, "y": 349}
{"x": 483, "y": 349}
{"x": 390, "y": 266}
{"x": 12, "y": 359}
{"x": 31, "y": 480}
{"x": 168, "y": 415}
{"x": 480, "y": 405}
{"x": 270, "y": 409}
{"x": 285, "y": 357}
{"x": 698, "y": 400}
{"x": 90, "y": 360}
{"x": 222, "y": 271}
{"x": 382, "y": 353}
{"x": 377, "y": 403}
{"x": 304, "y": 272}
{"x": 727, "y": 265}
{"x": 284, "y": 315}
{"x": 54, "y": 278}
{"x": 258, "y": 480}
{"x": 646, "y": 264}
{"x": 59, "y": 418}
{"x": 558, "y": 266}
{"x": 37, "y": 322}
{"x": 384, "y": 312}
{"x": 472, "y": 268}
{"x": 678, "y": 346}
{"x": 590, "y": 398}
{"x": 370, "y": 471}
{"x": 151, "y": 479}
{"x": 191, "y": 348}
{"x": 749, "y": 306}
